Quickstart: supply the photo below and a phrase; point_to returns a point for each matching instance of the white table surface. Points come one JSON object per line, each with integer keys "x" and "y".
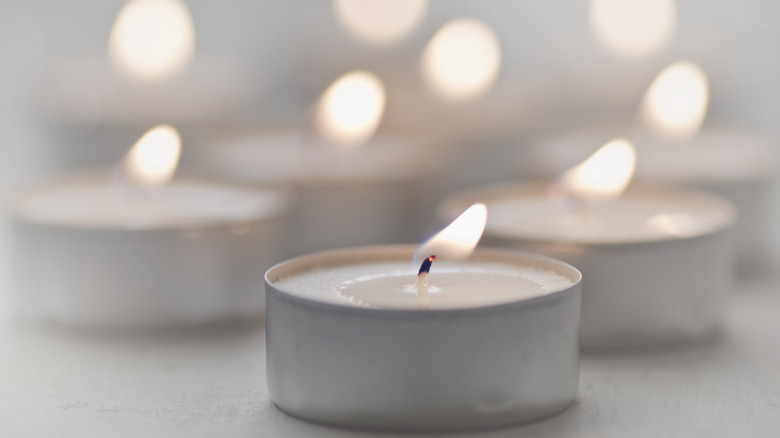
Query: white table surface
{"x": 55, "y": 383}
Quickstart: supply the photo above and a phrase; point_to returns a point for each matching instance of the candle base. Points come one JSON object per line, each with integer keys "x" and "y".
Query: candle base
{"x": 640, "y": 290}
{"x": 80, "y": 263}
{"x": 411, "y": 370}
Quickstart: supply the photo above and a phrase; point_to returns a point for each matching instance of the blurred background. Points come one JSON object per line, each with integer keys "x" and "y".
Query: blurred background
{"x": 466, "y": 87}
{"x": 547, "y": 67}
{"x": 65, "y": 106}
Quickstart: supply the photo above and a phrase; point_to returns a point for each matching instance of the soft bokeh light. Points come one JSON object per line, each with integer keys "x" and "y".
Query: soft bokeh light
{"x": 606, "y": 173}
{"x": 350, "y": 110}
{"x": 676, "y": 102}
{"x": 380, "y": 21}
{"x": 458, "y": 240}
{"x": 153, "y": 159}
{"x": 152, "y": 39}
{"x": 463, "y": 59}
{"x": 633, "y": 28}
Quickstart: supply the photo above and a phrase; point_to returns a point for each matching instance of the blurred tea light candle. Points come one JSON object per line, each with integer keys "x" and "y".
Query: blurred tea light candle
{"x": 352, "y": 186}
{"x": 151, "y": 72}
{"x": 137, "y": 248}
{"x": 673, "y": 149}
{"x": 463, "y": 101}
{"x": 457, "y": 93}
{"x": 656, "y": 262}
{"x": 734, "y": 163}
{"x": 516, "y": 314}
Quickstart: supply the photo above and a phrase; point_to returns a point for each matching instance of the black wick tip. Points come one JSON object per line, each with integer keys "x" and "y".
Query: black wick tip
{"x": 426, "y": 264}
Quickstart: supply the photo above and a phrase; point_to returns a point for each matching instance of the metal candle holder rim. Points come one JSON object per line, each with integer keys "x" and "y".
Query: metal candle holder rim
{"x": 285, "y": 202}
{"x": 380, "y": 253}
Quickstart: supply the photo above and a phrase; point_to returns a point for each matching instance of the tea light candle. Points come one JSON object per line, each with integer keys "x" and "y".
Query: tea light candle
{"x": 656, "y": 261}
{"x": 362, "y": 196}
{"x": 350, "y": 344}
{"x": 90, "y": 252}
{"x": 352, "y": 187}
{"x": 151, "y": 72}
{"x": 673, "y": 149}
{"x": 190, "y": 255}
{"x": 732, "y": 163}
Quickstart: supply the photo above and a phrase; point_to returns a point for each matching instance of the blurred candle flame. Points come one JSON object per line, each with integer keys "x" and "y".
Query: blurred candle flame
{"x": 153, "y": 159}
{"x": 676, "y": 102}
{"x": 462, "y": 60}
{"x": 458, "y": 240}
{"x": 152, "y": 39}
{"x": 350, "y": 110}
{"x": 605, "y": 174}
{"x": 633, "y": 28}
{"x": 380, "y": 21}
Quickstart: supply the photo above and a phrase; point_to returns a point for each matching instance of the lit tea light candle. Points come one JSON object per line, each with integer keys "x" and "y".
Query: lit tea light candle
{"x": 452, "y": 285}
{"x": 396, "y": 320}
{"x": 676, "y": 102}
{"x": 151, "y": 71}
{"x": 152, "y": 39}
{"x": 673, "y": 149}
{"x": 461, "y": 101}
{"x": 656, "y": 261}
{"x": 457, "y": 93}
{"x": 462, "y": 60}
{"x": 140, "y": 248}
{"x": 352, "y": 185}
{"x": 350, "y": 110}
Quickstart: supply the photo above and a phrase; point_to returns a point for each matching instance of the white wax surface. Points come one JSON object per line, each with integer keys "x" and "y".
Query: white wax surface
{"x": 452, "y": 284}
{"x": 98, "y": 203}
{"x": 289, "y": 155}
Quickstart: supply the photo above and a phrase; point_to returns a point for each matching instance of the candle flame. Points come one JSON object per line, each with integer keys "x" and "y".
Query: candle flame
{"x": 463, "y": 59}
{"x": 676, "y": 102}
{"x": 380, "y": 21}
{"x": 152, "y": 39}
{"x": 605, "y": 174}
{"x": 153, "y": 159}
{"x": 633, "y": 28}
{"x": 351, "y": 109}
{"x": 458, "y": 240}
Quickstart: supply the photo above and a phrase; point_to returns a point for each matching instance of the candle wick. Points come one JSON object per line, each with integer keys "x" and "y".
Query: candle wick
{"x": 422, "y": 282}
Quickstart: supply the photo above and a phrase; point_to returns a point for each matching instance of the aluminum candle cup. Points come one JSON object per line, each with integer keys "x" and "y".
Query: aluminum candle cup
{"x": 479, "y": 361}
{"x": 739, "y": 166}
{"x": 191, "y": 253}
{"x": 656, "y": 262}
{"x": 363, "y": 195}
